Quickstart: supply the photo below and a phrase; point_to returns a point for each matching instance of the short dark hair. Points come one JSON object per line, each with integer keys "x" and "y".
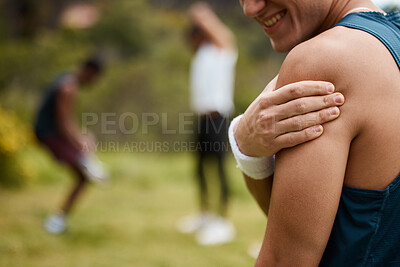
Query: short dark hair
{"x": 94, "y": 63}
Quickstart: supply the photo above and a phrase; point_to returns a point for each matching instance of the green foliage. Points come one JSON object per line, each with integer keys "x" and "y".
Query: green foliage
{"x": 122, "y": 27}
{"x": 26, "y": 68}
{"x": 148, "y": 64}
{"x": 14, "y": 136}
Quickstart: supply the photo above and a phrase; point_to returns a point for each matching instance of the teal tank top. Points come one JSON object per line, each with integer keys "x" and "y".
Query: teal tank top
{"x": 366, "y": 231}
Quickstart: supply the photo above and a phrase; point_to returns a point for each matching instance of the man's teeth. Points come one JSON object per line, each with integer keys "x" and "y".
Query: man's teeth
{"x": 271, "y": 22}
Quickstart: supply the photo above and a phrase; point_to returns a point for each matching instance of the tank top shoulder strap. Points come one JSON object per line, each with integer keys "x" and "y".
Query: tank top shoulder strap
{"x": 385, "y": 27}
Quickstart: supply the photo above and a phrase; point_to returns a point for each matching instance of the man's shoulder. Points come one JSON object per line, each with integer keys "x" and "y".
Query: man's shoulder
{"x": 68, "y": 85}
{"x": 346, "y": 57}
{"x": 323, "y": 57}
{"x": 338, "y": 56}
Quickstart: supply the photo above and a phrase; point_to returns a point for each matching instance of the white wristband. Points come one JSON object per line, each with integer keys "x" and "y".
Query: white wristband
{"x": 255, "y": 167}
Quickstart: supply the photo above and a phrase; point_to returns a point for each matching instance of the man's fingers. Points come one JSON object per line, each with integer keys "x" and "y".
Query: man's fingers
{"x": 302, "y": 122}
{"x": 294, "y": 138}
{"x": 300, "y": 89}
{"x": 308, "y": 104}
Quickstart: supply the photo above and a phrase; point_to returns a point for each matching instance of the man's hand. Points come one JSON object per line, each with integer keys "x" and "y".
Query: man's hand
{"x": 286, "y": 117}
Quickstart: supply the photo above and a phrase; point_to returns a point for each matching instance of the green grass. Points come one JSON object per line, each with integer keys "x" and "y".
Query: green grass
{"x": 130, "y": 222}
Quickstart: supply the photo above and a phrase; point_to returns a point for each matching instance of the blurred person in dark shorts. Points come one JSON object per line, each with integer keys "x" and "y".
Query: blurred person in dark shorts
{"x": 56, "y": 129}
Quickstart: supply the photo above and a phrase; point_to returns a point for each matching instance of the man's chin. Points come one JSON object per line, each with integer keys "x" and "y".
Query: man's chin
{"x": 281, "y": 48}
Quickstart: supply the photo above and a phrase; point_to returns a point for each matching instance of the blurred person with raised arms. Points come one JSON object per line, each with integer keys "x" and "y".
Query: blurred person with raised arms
{"x": 333, "y": 201}
{"x": 57, "y": 130}
{"x": 212, "y": 77}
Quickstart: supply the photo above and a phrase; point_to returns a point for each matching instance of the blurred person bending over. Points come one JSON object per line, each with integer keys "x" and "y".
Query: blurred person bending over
{"x": 334, "y": 201}
{"x": 212, "y": 86}
{"x": 57, "y": 130}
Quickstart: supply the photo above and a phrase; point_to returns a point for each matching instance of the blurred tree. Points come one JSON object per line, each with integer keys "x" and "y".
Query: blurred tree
{"x": 25, "y": 18}
{"x": 148, "y": 60}
{"x": 20, "y": 18}
{"x": 121, "y": 28}
{"x": 226, "y": 5}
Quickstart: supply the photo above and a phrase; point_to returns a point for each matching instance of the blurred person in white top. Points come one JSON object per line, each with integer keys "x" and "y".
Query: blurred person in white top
{"x": 212, "y": 77}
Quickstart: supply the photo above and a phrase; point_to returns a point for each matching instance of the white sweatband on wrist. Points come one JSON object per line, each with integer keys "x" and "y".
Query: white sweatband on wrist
{"x": 254, "y": 167}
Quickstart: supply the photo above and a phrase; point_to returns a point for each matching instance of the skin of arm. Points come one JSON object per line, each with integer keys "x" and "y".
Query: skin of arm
{"x": 308, "y": 178}
{"x": 260, "y": 190}
{"x": 290, "y": 130}
{"x": 64, "y": 110}
{"x": 203, "y": 16}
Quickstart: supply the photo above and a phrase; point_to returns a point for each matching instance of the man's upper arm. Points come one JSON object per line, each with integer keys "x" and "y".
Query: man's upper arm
{"x": 308, "y": 178}
{"x": 64, "y": 104}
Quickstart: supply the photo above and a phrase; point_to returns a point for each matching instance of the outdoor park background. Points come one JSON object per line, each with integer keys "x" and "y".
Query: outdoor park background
{"x": 131, "y": 221}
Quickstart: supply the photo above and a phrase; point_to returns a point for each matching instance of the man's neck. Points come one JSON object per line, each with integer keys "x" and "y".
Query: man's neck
{"x": 340, "y": 8}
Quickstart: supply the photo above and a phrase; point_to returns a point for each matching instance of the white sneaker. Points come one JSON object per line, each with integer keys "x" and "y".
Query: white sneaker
{"x": 216, "y": 232}
{"x": 55, "y": 224}
{"x": 192, "y": 223}
{"x": 94, "y": 169}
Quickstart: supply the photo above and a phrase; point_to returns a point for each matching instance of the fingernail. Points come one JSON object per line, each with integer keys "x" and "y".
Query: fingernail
{"x": 339, "y": 99}
{"x": 331, "y": 88}
{"x": 317, "y": 129}
{"x": 333, "y": 111}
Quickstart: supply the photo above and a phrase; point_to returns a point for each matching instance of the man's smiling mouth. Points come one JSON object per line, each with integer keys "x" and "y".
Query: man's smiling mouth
{"x": 272, "y": 21}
